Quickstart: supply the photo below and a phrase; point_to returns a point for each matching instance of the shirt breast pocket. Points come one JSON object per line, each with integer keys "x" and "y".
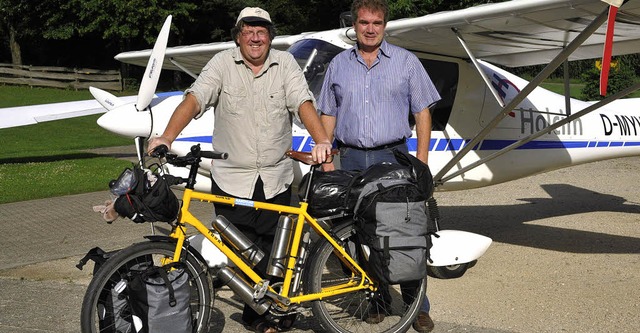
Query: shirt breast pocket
{"x": 234, "y": 100}
{"x": 277, "y": 105}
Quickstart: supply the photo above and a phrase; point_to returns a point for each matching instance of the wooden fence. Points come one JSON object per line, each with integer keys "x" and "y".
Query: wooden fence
{"x": 60, "y": 77}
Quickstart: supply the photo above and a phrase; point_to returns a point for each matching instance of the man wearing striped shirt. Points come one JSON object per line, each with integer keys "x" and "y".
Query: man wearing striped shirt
{"x": 367, "y": 96}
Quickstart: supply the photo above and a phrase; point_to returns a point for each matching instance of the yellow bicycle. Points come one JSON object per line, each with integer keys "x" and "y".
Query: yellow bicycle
{"x": 318, "y": 265}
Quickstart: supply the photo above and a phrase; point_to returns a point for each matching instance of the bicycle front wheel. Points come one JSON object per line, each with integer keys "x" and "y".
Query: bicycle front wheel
{"x": 351, "y": 312}
{"x": 100, "y": 314}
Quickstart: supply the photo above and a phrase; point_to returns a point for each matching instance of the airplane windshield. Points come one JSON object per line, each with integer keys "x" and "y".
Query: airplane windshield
{"x": 313, "y": 56}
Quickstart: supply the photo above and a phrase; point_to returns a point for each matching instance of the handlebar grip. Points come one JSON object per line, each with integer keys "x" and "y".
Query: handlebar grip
{"x": 215, "y": 155}
{"x": 159, "y": 151}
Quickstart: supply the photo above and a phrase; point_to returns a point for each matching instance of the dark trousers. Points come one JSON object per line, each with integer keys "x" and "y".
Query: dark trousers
{"x": 258, "y": 225}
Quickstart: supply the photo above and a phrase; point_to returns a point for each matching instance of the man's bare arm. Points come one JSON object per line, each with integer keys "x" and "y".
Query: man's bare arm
{"x": 423, "y": 131}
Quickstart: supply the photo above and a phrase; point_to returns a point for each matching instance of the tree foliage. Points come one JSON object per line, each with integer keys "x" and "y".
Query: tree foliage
{"x": 620, "y": 77}
{"x": 108, "y": 27}
{"x": 88, "y": 33}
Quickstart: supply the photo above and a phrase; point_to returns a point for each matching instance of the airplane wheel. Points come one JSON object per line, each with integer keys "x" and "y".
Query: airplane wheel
{"x": 449, "y": 272}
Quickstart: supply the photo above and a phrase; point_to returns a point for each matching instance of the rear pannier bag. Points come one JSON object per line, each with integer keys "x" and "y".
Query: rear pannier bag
{"x": 336, "y": 192}
{"x": 391, "y": 223}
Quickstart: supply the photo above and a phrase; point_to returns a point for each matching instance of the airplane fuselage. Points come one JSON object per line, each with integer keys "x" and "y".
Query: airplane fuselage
{"x": 468, "y": 106}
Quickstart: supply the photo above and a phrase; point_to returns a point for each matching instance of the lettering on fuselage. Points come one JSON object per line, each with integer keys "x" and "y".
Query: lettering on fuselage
{"x": 532, "y": 122}
{"x": 622, "y": 125}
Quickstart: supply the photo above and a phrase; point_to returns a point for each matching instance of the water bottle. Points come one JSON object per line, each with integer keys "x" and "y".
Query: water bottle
{"x": 238, "y": 240}
{"x": 281, "y": 243}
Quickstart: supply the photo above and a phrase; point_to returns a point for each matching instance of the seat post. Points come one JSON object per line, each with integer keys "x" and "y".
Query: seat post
{"x": 311, "y": 172}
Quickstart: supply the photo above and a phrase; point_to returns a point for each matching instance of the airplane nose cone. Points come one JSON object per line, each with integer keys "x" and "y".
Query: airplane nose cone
{"x": 127, "y": 121}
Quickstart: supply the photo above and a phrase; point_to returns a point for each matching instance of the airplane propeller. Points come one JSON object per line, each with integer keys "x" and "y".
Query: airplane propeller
{"x": 138, "y": 114}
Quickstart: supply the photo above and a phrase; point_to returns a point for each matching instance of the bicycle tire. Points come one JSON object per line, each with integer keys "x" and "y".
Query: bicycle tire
{"x": 109, "y": 274}
{"x": 347, "y": 312}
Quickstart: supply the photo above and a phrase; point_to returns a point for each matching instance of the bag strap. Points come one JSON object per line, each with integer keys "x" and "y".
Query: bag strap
{"x": 385, "y": 248}
{"x": 172, "y": 295}
{"x": 162, "y": 272}
{"x": 352, "y": 182}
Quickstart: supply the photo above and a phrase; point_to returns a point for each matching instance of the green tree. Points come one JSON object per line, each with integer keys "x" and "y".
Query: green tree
{"x": 620, "y": 77}
{"x": 78, "y": 27}
{"x": 19, "y": 22}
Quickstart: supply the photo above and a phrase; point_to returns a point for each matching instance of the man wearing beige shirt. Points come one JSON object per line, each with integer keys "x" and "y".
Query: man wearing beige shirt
{"x": 255, "y": 91}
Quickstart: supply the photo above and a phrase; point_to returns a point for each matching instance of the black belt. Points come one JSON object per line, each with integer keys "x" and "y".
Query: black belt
{"x": 387, "y": 146}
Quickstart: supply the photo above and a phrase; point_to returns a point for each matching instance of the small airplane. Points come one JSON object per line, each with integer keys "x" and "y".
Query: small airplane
{"x": 490, "y": 126}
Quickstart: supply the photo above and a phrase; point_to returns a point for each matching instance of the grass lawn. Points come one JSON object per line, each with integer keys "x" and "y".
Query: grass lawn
{"x": 558, "y": 87}
{"x": 49, "y": 159}
{"x": 575, "y": 88}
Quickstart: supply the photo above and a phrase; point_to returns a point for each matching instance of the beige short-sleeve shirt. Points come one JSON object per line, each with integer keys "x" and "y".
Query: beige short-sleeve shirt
{"x": 253, "y": 118}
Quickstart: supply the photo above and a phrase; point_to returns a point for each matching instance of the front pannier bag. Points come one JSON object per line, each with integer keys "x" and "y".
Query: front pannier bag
{"x": 160, "y": 299}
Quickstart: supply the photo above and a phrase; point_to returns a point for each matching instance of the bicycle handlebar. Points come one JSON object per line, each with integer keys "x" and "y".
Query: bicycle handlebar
{"x": 191, "y": 158}
{"x": 214, "y": 155}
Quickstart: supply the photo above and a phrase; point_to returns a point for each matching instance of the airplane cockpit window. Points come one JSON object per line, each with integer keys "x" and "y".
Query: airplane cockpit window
{"x": 313, "y": 56}
{"x": 444, "y": 76}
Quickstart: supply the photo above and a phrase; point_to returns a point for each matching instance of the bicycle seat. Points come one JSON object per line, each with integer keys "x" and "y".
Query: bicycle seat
{"x": 307, "y": 158}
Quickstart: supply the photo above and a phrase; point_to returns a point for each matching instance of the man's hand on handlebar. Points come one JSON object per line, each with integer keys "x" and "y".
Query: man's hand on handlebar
{"x": 157, "y": 141}
{"x": 321, "y": 152}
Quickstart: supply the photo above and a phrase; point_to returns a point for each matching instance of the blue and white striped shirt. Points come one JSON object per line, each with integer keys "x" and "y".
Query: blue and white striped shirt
{"x": 372, "y": 105}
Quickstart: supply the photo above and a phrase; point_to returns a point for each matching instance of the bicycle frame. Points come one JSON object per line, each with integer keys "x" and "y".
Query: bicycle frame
{"x": 186, "y": 218}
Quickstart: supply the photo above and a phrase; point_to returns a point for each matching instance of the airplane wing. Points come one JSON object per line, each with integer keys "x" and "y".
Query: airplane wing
{"x": 194, "y": 57}
{"x": 518, "y": 33}
{"x": 513, "y": 33}
{"x": 33, "y": 114}
{"x": 28, "y": 115}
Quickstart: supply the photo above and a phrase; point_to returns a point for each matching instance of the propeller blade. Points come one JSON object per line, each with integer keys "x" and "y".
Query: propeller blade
{"x": 154, "y": 68}
{"x": 106, "y": 99}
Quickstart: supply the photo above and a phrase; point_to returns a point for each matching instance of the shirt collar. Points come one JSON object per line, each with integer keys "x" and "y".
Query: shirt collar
{"x": 384, "y": 50}
{"x": 270, "y": 61}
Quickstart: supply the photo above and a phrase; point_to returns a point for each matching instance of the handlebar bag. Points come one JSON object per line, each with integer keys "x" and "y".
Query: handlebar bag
{"x": 150, "y": 200}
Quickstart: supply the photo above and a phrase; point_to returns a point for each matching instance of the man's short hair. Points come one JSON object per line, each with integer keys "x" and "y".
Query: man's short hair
{"x": 372, "y": 5}
{"x": 235, "y": 31}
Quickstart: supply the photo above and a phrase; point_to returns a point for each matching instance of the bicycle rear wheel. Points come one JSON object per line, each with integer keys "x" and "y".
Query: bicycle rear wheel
{"x": 97, "y": 315}
{"x": 348, "y": 312}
